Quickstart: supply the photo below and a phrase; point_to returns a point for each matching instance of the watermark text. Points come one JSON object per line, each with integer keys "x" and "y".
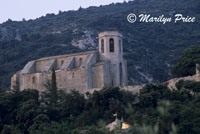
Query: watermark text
{"x": 147, "y": 18}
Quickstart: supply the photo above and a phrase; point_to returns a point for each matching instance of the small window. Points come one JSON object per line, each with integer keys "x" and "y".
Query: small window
{"x": 33, "y": 80}
{"x": 73, "y": 75}
{"x": 102, "y": 45}
{"x": 111, "y": 42}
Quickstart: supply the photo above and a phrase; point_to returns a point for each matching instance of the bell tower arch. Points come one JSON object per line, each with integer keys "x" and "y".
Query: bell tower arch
{"x": 111, "y": 49}
{"x": 110, "y": 46}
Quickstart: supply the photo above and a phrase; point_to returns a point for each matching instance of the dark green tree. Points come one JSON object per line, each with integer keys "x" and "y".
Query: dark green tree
{"x": 187, "y": 62}
{"x": 189, "y": 85}
{"x": 54, "y": 87}
{"x": 151, "y": 93}
{"x": 51, "y": 86}
{"x": 11, "y": 129}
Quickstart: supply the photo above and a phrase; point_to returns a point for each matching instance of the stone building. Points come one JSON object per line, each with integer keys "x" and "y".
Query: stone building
{"x": 81, "y": 71}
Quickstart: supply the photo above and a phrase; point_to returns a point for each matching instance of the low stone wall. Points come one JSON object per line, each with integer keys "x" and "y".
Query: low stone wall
{"x": 134, "y": 89}
{"x": 172, "y": 83}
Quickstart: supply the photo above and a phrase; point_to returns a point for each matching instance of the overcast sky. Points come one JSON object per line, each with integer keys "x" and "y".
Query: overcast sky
{"x": 31, "y": 9}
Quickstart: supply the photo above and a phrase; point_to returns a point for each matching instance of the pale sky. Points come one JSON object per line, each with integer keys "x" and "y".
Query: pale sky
{"x": 31, "y": 9}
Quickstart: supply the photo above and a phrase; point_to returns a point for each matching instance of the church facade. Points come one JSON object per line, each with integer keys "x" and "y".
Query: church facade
{"x": 81, "y": 71}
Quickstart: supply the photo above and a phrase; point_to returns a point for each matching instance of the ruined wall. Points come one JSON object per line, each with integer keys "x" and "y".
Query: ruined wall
{"x": 172, "y": 83}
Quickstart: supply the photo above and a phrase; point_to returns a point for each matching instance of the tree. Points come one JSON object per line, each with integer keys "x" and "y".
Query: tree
{"x": 151, "y": 93}
{"x": 187, "y": 62}
{"x": 38, "y": 122}
{"x": 163, "y": 125}
{"x": 72, "y": 104}
{"x": 52, "y": 89}
{"x": 188, "y": 85}
{"x": 9, "y": 129}
{"x": 54, "y": 86}
{"x": 27, "y": 111}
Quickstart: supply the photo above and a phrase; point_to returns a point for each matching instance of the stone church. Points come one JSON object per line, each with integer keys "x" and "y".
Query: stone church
{"x": 80, "y": 71}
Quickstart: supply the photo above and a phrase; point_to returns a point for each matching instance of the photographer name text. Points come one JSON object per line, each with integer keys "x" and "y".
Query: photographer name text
{"x": 147, "y": 18}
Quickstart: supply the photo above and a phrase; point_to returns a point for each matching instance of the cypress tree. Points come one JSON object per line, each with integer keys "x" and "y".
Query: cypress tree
{"x": 53, "y": 91}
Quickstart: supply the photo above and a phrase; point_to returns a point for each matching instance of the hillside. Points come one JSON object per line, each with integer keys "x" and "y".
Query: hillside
{"x": 150, "y": 48}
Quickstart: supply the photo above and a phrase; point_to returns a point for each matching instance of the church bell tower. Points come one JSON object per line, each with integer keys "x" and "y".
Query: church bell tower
{"x": 111, "y": 49}
{"x": 110, "y": 46}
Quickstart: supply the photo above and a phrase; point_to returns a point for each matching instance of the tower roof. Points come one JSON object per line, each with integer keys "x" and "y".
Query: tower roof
{"x": 109, "y": 33}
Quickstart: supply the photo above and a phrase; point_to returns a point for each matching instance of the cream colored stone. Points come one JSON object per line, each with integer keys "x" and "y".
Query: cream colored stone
{"x": 80, "y": 71}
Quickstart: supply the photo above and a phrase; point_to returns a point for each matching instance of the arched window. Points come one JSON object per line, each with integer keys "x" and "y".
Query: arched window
{"x": 33, "y": 80}
{"x": 73, "y": 75}
{"x": 111, "y": 42}
{"x": 120, "y": 46}
{"x": 102, "y": 45}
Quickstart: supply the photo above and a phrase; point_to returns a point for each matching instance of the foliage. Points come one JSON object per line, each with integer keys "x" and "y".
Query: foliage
{"x": 163, "y": 124}
{"x": 188, "y": 86}
{"x": 159, "y": 110}
{"x": 27, "y": 112}
{"x": 53, "y": 89}
{"x": 171, "y": 112}
{"x": 150, "y": 48}
{"x": 187, "y": 63}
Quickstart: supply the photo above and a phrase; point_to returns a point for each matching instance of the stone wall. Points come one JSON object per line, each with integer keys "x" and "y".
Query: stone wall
{"x": 72, "y": 72}
{"x": 172, "y": 83}
{"x": 98, "y": 76}
{"x": 107, "y": 76}
{"x": 32, "y": 81}
{"x": 81, "y": 71}
{"x": 72, "y": 79}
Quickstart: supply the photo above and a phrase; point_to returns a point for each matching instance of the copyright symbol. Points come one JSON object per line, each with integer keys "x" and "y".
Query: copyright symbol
{"x": 131, "y": 18}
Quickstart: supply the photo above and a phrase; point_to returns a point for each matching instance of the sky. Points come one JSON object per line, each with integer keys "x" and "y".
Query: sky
{"x": 31, "y": 9}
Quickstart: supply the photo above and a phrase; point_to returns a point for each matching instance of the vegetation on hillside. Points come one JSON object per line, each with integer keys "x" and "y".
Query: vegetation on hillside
{"x": 150, "y": 48}
{"x": 187, "y": 63}
{"x": 159, "y": 110}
